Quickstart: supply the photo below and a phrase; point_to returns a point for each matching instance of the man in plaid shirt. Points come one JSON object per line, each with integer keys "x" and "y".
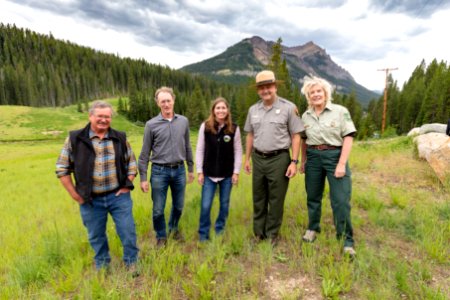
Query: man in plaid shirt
{"x": 104, "y": 167}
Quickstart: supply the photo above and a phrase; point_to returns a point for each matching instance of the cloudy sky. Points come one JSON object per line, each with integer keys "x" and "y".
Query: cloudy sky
{"x": 361, "y": 36}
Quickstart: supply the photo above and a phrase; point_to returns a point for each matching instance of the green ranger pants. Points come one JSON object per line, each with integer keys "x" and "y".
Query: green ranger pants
{"x": 321, "y": 164}
{"x": 270, "y": 185}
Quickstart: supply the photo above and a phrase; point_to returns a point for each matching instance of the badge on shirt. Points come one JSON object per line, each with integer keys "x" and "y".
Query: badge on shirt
{"x": 277, "y": 111}
{"x": 347, "y": 117}
{"x": 226, "y": 138}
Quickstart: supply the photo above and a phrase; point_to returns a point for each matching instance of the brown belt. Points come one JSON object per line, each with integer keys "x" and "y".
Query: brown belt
{"x": 324, "y": 147}
{"x": 271, "y": 153}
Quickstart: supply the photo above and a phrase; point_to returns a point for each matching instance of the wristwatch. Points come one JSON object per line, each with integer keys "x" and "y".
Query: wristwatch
{"x": 295, "y": 161}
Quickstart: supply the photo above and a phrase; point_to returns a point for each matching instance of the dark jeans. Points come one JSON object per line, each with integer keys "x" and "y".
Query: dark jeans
{"x": 161, "y": 179}
{"x": 321, "y": 165}
{"x": 270, "y": 185}
{"x": 95, "y": 217}
{"x": 208, "y": 191}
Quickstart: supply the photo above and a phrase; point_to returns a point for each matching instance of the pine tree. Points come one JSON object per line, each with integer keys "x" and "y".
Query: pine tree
{"x": 279, "y": 67}
{"x": 79, "y": 107}
{"x": 120, "y": 107}
{"x": 196, "y": 109}
{"x": 133, "y": 100}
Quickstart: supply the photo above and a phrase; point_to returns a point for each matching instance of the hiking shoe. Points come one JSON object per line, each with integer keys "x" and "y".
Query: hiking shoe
{"x": 161, "y": 243}
{"x": 350, "y": 252}
{"x": 133, "y": 270}
{"x": 203, "y": 239}
{"x": 256, "y": 239}
{"x": 177, "y": 236}
{"x": 309, "y": 236}
{"x": 274, "y": 241}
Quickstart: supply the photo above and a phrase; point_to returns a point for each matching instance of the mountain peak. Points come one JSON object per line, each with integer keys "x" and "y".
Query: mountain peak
{"x": 306, "y": 49}
{"x": 253, "y": 54}
{"x": 255, "y": 39}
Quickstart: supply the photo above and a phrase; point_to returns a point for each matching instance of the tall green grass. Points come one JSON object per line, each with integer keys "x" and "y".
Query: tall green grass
{"x": 399, "y": 210}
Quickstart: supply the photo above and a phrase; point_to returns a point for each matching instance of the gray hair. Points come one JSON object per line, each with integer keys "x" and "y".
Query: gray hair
{"x": 309, "y": 82}
{"x": 100, "y": 104}
{"x": 164, "y": 89}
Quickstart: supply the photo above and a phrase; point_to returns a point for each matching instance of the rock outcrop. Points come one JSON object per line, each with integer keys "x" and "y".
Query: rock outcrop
{"x": 435, "y": 148}
{"x": 440, "y": 162}
{"x": 252, "y": 55}
{"x": 414, "y": 131}
{"x": 435, "y": 127}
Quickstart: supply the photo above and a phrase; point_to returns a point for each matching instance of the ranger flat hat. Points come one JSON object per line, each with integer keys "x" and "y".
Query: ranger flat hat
{"x": 265, "y": 77}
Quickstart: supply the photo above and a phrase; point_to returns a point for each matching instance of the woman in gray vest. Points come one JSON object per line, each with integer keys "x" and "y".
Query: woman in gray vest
{"x": 218, "y": 159}
{"x": 328, "y": 138}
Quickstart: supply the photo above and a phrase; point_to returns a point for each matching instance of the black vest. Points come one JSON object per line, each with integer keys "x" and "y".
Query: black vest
{"x": 219, "y": 153}
{"x": 84, "y": 158}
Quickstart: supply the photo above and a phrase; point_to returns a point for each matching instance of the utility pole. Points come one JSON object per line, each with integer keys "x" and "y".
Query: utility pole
{"x": 383, "y": 122}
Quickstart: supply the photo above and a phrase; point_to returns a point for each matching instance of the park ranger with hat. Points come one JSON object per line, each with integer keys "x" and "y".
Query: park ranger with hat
{"x": 329, "y": 132}
{"x": 272, "y": 126}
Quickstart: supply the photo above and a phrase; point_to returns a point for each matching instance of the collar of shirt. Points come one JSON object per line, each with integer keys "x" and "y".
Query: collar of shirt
{"x": 92, "y": 134}
{"x": 275, "y": 104}
{"x": 161, "y": 118}
{"x": 329, "y": 106}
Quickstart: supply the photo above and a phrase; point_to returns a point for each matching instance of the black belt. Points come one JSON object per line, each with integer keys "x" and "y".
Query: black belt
{"x": 271, "y": 153}
{"x": 171, "y": 166}
{"x": 324, "y": 147}
{"x": 105, "y": 193}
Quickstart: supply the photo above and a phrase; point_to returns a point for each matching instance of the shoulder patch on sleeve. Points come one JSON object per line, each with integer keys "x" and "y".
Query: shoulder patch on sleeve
{"x": 347, "y": 116}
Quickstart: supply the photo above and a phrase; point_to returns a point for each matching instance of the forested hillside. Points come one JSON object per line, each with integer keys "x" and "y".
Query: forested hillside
{"x": 39, "y": 70}
{"x": 424, "y": 98}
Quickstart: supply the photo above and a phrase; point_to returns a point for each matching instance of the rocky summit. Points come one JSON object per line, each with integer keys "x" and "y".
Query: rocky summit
{"x": 242, "y": 61}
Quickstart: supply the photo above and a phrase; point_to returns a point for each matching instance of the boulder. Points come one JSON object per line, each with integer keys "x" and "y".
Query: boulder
{"x": 429, "y": 142}
{"x": 440, "y": 162}
{"x": 435, "y": 148}
{"x": 414, "y": 131}
{"x": 434, "y": 127}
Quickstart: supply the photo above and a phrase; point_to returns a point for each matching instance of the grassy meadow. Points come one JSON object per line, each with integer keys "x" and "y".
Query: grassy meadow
{"x": 400, "y": 212}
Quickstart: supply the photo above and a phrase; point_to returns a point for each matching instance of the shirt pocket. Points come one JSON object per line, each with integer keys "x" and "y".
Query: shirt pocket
{"x": 333, "y": 127}
{"x": 255, "y": 122}
{"x": 108, "y": 154}
{"x": 310, "y": 129}
{"x": 280, "y": 127}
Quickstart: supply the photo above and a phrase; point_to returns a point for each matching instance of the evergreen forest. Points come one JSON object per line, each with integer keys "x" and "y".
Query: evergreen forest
{"x": 39, "y": 70}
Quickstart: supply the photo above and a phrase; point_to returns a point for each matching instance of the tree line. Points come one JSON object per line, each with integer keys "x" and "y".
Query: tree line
{"x": 39, "y": 70}
{"x": 424, "y": 98}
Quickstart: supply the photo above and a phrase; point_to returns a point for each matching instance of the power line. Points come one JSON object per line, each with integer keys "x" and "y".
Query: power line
{"x": 383, "y": 122}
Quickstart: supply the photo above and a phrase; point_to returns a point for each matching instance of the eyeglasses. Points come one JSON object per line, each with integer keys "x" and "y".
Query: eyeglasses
{"x": 103, "y": 117}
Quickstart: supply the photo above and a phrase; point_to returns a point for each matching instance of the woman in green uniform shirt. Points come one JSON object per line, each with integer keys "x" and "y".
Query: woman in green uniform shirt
{"x": 326, "y": 146}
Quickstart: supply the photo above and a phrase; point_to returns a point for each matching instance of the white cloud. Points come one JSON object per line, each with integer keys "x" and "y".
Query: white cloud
{"x": 361, "y": 36}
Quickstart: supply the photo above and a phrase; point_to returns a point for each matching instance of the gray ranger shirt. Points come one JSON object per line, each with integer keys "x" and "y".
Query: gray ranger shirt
{"x": 272, "y": 128}
{"x": 165, "y": 142}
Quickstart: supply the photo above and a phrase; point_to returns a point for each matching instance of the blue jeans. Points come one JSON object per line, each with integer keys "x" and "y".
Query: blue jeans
{"x": 161, "y": 179}
{"x": 208, "y": 191}
{"x": 94, "y": 218}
